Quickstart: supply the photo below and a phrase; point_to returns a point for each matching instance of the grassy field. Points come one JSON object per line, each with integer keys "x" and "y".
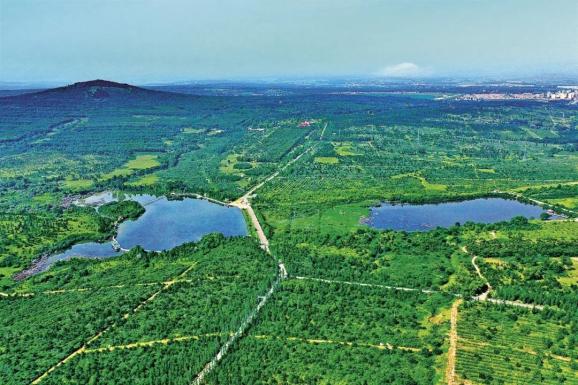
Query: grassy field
{"x": 78, "y": 184}
{"x": 146, "y": 180}
{"x": 326, "y": 160}
{"x": 140, "y": 162}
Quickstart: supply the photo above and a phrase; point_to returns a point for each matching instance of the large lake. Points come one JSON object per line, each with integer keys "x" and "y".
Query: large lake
{"x": 165, "y": 224}
{"x": 429, "y": 216}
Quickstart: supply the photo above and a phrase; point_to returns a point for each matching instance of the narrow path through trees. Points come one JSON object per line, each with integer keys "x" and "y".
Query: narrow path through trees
{"x": 453, "y": 348}
{"x": 425, "y": 291}
{"x": 484, "y": 296}
{"x": 139, "y": 306}
{"x": 244, "y": 203}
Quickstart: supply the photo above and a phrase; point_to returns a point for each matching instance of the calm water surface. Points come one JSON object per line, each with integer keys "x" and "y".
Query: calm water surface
{"x": 429, "y": 216}
{"x": 165, "y": 224}
{"x": 84, "y": 250}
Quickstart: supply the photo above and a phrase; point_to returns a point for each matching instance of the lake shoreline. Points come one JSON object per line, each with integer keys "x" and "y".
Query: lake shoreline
{"x": 428, "y": 216}
{"x": 165, "y": 224}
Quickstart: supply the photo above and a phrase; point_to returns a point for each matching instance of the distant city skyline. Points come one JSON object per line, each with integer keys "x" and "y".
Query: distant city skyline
{"x": 148, "y": 41}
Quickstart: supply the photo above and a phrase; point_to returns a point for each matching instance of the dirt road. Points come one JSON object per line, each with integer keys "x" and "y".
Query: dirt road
{"x": 453, "y": 337}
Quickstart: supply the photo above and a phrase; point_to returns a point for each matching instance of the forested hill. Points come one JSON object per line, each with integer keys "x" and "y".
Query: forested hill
{"x": 94, "y": 91}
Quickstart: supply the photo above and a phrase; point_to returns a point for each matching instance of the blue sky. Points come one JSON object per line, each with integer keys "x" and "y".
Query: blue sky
{"x": 171, "y": 40}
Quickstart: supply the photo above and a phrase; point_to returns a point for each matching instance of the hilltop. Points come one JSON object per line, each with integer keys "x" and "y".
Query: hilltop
{"x": 99, "y": 83}
{"x": 97, "y": 90}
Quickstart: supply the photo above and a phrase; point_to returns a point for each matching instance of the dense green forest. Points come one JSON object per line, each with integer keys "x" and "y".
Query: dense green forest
{"x": 328, "y": 299}
{"x": 208, "y": 285}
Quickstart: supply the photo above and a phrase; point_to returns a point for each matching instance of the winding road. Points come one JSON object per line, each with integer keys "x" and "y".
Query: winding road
{"x": 484, "y": 297}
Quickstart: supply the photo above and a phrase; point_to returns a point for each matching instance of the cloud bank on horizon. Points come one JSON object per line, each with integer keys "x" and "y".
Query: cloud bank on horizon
{"x": 171, "y": 40}
{"x": 403, "y": 70}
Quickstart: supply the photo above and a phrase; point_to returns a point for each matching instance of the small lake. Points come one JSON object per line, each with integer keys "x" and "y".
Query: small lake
{"x": 168, "y": 223}
{"x": 164, "y": 225}
{"x": 426, "y": 217}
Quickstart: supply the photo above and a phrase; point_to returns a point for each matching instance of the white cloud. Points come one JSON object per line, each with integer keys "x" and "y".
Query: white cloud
{"x": 402, "y": 70}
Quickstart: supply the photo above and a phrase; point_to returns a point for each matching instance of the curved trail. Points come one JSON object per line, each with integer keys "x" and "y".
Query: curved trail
{"x": 484, "y": 297}
{"x": 313, "y": 341}
{"x": 143, "y": 344}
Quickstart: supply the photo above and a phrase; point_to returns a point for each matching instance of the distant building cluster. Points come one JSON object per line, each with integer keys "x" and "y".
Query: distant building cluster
{"x": 501, "y": 96}
{"x": 570, "y": 95}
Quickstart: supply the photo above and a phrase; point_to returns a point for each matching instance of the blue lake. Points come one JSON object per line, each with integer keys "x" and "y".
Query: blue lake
{"x": 84, "y": 250}
{"x": 165, "y": 224}
{"x": 429, "y": 216}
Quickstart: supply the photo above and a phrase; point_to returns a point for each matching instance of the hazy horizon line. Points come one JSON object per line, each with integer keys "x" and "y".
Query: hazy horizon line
{"x": 280, "y": 79}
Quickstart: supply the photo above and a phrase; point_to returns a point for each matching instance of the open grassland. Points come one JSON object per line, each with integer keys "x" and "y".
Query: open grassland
{"x": 571, "y": 276}
{"x": 326, "y": 160}
{"x": 140, "y": 162}
{"x": 344, "y": 149}
{"x": 147, "y": 180}
{"x": 78, "y": 184}
{"x": 563, "y": 230}
{"x": 143, "y": 162}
